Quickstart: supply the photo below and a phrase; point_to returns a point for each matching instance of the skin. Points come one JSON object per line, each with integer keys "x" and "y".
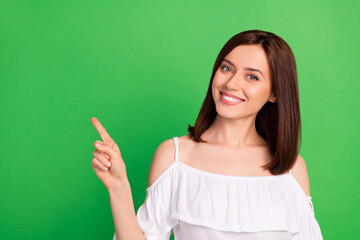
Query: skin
{"x": 232, "y": 137}
{"x": 107, "y": 162}
{"x": 115, "y": 179}
{"x": 234, "y": 125}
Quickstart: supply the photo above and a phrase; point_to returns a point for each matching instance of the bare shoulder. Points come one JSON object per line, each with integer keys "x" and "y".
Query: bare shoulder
{"x": 163, "y": 157}
{"x": 299, "y": 171}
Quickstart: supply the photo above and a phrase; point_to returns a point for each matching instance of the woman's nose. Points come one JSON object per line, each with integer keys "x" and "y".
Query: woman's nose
{"x": 234, "y": 83}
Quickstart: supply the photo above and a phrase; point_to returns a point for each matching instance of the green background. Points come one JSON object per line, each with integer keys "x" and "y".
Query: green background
{"x": 142, "y": 68}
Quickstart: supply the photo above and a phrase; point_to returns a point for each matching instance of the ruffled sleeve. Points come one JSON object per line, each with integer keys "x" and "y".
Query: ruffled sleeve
{"x": 309, "y": 228}
{"x": 154, "y": 215}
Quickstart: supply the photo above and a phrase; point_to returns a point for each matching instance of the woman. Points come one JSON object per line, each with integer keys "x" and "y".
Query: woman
{"x": 237, "y": 174}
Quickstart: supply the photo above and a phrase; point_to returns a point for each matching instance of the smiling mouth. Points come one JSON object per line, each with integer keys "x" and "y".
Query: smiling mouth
{"x": 231, "y": 97}
{"x": 230, "y": 100}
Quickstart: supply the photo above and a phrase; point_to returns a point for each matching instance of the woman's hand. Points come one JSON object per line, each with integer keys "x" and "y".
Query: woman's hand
{"x": 107, "y": 153}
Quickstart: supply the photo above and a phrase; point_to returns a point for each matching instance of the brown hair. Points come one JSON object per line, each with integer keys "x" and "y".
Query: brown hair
{"x": 278, "y": 123}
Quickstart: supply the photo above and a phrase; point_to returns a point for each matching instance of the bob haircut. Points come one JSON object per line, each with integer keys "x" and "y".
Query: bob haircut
{"x": 278, "y": 123}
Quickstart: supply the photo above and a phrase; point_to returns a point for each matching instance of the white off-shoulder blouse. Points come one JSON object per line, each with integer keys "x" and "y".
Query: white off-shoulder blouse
{"x": 195, "y": 204}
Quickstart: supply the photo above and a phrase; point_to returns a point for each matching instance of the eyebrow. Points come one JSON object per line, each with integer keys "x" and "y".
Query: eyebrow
{"x": 247, "y": 68}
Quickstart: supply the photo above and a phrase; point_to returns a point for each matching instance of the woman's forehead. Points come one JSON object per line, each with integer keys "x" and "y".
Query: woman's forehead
{"x": 248, "y": 56}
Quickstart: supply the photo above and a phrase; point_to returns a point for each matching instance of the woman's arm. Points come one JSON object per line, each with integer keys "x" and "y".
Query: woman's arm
{"x": 111, "y": 170}
{"x": 122, "y": 207}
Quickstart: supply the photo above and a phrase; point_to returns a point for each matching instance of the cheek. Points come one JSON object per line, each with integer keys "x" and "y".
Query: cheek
{"x": 254, "y": 90}
{"x": 213, "y": 89}
{"x": 218, "y": 82}
{"x": 258, "y": 93}
{"x": 215, "y": 84}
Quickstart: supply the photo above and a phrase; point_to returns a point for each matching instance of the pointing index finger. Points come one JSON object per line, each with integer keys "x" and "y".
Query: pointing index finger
{"x": 101, "y": 130}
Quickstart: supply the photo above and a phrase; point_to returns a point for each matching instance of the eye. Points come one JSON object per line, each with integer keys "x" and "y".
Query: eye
{"x": 224, "y": 66}
{"x": 252, "y": 77}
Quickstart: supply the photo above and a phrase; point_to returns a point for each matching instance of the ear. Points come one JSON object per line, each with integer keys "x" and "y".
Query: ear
{"x": 272, "y": 98}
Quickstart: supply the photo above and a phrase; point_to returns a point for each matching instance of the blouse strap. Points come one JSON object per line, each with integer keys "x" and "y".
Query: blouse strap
{"x": 176, "y": 148}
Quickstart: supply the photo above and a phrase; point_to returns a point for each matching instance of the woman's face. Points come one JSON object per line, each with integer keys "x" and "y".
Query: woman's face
{"x": 245, "y": 74}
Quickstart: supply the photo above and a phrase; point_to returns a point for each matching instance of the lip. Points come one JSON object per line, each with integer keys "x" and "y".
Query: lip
{"x": 230, "y": 95}
{"x": 223, "y": 100}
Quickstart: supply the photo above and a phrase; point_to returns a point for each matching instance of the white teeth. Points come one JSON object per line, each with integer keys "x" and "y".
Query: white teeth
{"x": 231, "y": 99}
